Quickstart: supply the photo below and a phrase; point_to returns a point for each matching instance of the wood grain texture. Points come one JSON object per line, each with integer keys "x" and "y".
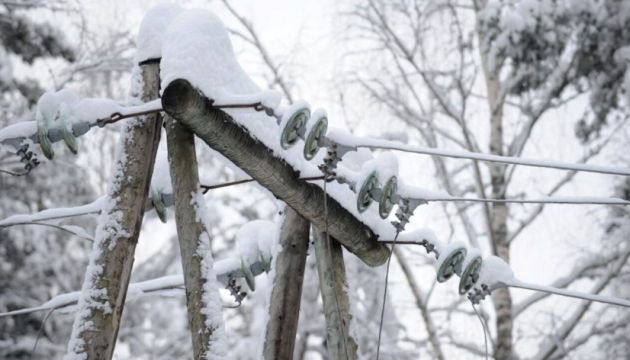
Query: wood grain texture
{"x": 223, "y": 134}
{"x": 117, "y": 252}
{"x": 332, "y": 282}
{"x": 287, "y": 287}
{"x": 182, "y": 159}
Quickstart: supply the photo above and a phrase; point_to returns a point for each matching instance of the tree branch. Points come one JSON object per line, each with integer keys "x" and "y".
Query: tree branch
{"x": 548, "y": 349}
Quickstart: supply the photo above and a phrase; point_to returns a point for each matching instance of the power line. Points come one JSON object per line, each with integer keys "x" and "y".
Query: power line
{"x": 551, "y": 200}
{"x": 8, "y": 172}
{"x": 380, "y": 327}
{"x": 207, "y": 188}
{"x": 483, "y": 325}
{"x": 371, "y": 143}
{"x": 332, "y": 273}
{"x": 569, "y": 293}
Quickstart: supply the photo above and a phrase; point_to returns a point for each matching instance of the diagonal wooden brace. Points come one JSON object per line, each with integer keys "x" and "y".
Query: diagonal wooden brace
{"x": 217, "y": 129}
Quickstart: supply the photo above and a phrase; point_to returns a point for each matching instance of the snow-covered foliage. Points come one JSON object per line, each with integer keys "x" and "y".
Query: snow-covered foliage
{"x": 530, "y": 34}
{"x": 493, "y": 77}
{"x": 26, "y": 270}
{"x": 586, "y": 39}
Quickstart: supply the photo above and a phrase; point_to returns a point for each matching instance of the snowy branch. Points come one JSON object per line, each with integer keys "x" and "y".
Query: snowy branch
{"x": 563, "y": 181}
{"x": 575, "y": 274}
{"x": 262, "y": 49}
{"x": 549, "y": 348}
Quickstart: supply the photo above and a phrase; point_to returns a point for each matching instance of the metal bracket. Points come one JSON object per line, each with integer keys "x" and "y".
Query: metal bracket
{"x": 334, "y": 154}
{"x": 29, "y": 159}
{"x": 406, "y": 207}
{"x": 478, "y": 293}
{"x": 430, "y": 247}
{"x": 235, "y": 290}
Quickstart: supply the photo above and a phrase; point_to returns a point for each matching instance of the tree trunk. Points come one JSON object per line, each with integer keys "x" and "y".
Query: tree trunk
{"x": 501, "y": 298}
{"x": 422, "y": 305}
{"x": 190, "y": 229}
{"x": 223, "y": 134}
{"x": 105, "y": 288}
{"x": 287, "y": 288}
{"x": 332, "y": 281}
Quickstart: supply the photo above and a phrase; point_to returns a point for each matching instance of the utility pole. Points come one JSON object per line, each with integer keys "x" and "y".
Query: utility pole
{"x": 332, "y": 281}
{"x": 182, "y": 159}
{"x": 105, "y": 288}
{"x": 284, "y": 307}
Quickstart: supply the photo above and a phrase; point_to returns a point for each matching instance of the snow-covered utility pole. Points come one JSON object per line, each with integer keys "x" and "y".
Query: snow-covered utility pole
{"x": 284, "y": 306}
{"x": 202, "y": 296}
{"x": 107, "y": 278}
{"x": 217, "y": 129}
{"x": 332, "y": 281}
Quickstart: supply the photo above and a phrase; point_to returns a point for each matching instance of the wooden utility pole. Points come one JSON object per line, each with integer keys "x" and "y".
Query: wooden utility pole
{"x": 287, "y": 287}
{"x": 182, "y": 160}
{"x": 332, "y": 281}
{"x": 217, "y": 129}
{"x": 104, "y": 291}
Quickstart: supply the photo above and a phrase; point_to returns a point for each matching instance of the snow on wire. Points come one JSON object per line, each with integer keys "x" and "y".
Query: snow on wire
{"x": 363, "y": 142}
{"x": 167, "y": 286}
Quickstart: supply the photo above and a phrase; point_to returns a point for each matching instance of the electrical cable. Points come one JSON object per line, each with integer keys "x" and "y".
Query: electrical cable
{"x": 550, "y": 164}
{"x": 380, "y": 328}
{"x": 14, "y": 173}
{"x": 551, "y": 200}
{"x": 332, "y": 273}
{"x": 483, "y": 325}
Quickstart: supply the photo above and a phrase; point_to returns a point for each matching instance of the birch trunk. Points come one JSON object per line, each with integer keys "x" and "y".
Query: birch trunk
{"x": 105, "y": 288}
{"x": 501, "y": 298}
{"x": 287, "y": 288}
{"x": 332, "y": 281}
{"x": 190, "y": 230}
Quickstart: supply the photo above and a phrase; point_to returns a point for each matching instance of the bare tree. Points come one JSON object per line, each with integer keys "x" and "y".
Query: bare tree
{"x": 433, "y": 55}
